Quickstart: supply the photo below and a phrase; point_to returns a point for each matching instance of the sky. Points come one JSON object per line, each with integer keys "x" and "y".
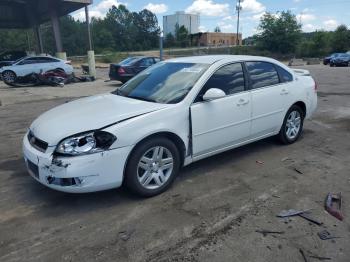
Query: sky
{"x": 313, "y": 14}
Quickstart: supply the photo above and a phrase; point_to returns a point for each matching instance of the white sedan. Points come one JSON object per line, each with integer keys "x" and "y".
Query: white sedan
{"x": 33, "y": 64}
{"x": 170, "y": 115}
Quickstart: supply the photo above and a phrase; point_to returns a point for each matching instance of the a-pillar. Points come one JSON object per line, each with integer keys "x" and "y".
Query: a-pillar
{"x": 56, "y": 32}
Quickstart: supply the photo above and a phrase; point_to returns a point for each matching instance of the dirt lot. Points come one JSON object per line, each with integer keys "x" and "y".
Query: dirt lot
{"x": 210, "y": 214}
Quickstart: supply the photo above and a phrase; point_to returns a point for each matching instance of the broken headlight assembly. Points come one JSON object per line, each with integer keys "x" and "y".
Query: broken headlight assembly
{"x": 85, "y": 143}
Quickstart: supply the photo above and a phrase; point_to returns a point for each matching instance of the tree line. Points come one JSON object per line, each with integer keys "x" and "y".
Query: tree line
{"x": 123, "y": 30}
{"x": 281, "y": 33}
{"x": 119, "y": 30}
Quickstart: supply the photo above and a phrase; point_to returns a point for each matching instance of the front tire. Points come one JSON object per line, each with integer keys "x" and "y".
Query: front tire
{"x": 292, "y": 125}
{"x": 9, "y": 76}
{"x": 152, "y": 167}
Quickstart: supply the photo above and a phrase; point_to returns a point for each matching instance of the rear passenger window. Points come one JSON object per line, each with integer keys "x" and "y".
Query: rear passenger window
{"x": 285, "y": 76}
{"x": 48, "y": 60}
{"x": 229, "y": 79}
{"x": 262, "y": 74}
{"x": 146, "y": 62}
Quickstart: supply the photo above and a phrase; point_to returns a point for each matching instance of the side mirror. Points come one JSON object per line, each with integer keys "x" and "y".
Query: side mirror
{"x": 213, "y": 93}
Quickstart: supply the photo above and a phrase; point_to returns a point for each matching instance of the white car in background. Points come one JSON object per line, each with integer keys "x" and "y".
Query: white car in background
{"x": 172, "y": 114}
{"x": 33, "y": 64}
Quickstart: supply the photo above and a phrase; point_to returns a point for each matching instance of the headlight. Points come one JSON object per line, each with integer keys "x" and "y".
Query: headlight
{"x": 86, "y": 143}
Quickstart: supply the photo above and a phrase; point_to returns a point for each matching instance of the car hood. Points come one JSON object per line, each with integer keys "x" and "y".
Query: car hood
{"x": 87, "y": 114}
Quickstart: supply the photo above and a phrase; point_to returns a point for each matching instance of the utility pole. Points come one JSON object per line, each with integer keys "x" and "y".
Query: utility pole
{"x": 238, "y": 9}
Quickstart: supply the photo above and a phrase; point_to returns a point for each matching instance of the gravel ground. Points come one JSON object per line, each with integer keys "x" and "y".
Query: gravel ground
{"x": 210, "y": 214}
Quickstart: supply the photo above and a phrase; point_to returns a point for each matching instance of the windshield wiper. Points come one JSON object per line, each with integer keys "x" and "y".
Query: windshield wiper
{"x": 143, "y": 99}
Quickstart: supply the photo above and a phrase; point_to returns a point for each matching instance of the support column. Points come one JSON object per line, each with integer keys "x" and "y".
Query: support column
{"x": 91, "y": 53}
{"x": 57, "y": 34}
{"x": 38, "y": 38}
{"x": 31, "y": 12}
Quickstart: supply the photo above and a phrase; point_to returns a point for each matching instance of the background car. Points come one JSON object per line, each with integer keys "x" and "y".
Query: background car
{"x": 34, "y": 64}
{"x": 9, "y": 57}
{"x": 327, "y": 59}
{"x": 340, "y": 60}
{"x": 130, "y": 67}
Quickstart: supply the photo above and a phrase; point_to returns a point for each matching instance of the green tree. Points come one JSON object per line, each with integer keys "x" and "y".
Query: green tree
{"x": 182, "y": 36}
{"x": 169, "y": 40}
{"x": 217, "y": 29}
{"x": 279, "y": 33}
{"x": 340, "y": 39}
{"x": 120, "y": 30}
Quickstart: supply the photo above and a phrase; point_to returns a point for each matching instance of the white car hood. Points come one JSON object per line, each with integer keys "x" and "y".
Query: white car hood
{"x": 88, "y": 114}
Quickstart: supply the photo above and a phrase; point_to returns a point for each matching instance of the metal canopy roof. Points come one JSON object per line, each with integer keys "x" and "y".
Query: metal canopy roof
{"x": 27, "y": 13}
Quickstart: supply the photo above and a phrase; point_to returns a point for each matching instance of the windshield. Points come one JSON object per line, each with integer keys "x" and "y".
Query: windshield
{"x": 336, "y": 55}
{"x": 164, "y": 82}
{"x": 19, "y": 60}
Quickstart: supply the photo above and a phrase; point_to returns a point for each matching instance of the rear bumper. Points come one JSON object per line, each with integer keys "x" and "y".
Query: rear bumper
{"x": 311, "y": 105}
{"x": 122, "y": 78}
{"x": 78, "y": 174}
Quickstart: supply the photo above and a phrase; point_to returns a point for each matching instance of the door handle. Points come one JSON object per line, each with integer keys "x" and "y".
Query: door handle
{"x": 284, "y": 92}
{"x": 242, "y": 102}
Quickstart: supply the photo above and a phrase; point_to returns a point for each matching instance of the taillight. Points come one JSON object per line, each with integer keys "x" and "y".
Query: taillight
{"x": 121, "y": 70}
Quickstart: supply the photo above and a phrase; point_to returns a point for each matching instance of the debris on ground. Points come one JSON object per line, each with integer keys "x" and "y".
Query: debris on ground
{"x": 325, "y": 235}
{"x": 265, "y": 232}
{"x": 301, "y": 213}
{"x": 285, "y": 159}
{"x": 56, "y": 77}
{"x": 306, "y": 216}
{"x": 321, "y": 258}
{"x": 303, "y": 255}
{"x": 297, "y": 170}
{"x": 290, "y": 212}
{"x": 259, "y": 162}
{"x": 333, "y": 205}
{"x": 125, "y": 235}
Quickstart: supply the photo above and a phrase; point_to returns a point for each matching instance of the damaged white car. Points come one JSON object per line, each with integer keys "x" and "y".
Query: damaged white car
{"x": 170, "y": 115}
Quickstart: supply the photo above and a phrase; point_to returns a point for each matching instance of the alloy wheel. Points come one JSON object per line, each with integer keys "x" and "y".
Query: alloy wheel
{"x": 293, "y": 125}
{"x": 155, "y": 167}
{"x": 8, "y": 76}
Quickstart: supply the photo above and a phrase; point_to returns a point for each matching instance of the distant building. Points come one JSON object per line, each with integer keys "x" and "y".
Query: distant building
{"x": 215, "y": 39}
{"x": 189, "y": 21}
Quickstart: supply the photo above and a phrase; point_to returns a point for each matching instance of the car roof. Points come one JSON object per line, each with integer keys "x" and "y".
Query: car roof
{"x": 140, "y": 56}
{"x": 40, "y": 56}
{"x": 211, "y": 59}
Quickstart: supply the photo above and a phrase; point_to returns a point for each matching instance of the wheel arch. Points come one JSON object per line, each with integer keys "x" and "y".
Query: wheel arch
{"x": 178, "y": 142}
{"x": 302, "y": 105}
{"x": 9, "y": 70}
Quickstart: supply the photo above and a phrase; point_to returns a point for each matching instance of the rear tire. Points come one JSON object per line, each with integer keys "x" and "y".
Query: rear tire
{"x": 152, "y": 167}
{"x": 292, "y": 125}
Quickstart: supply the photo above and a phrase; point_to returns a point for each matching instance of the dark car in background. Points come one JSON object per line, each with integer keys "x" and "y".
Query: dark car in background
{"x": 327, "y": 59}
{"x": 130, "y": 67}
{"x": 340, "y": 60}
{"x": 9, "y": 57}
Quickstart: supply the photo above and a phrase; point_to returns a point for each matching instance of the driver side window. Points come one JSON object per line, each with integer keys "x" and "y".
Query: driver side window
{"x": 229, "y": 78}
